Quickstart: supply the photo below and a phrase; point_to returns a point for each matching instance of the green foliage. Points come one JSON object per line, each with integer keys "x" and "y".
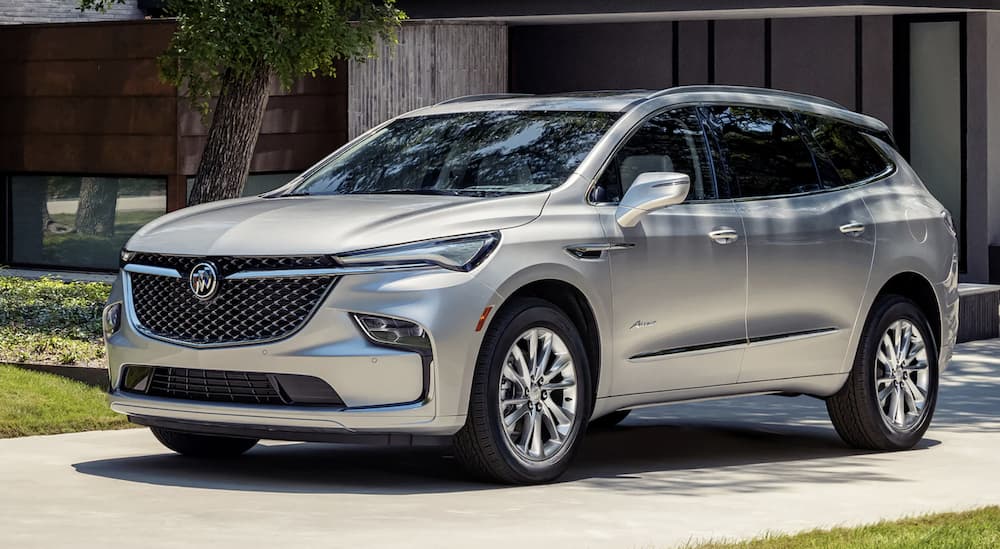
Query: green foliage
{"x": 34, "y": 403}
{"x": 291, "y": 38}
{"x": 979, "y": 529}
{"x": 51, "y": 321}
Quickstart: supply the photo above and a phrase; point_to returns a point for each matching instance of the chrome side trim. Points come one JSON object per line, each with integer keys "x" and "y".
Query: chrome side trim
{"x": 595, "y": 250}
{"x": 331, "y": 271}
{"x": 150, "y": 270}
{"x": 752, "y": 342}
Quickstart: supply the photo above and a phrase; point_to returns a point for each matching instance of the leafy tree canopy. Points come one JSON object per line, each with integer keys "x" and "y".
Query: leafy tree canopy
{"x": 291, "y": 38}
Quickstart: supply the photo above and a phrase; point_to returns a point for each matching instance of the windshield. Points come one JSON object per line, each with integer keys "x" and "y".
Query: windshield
{"x": 474, "y": 153}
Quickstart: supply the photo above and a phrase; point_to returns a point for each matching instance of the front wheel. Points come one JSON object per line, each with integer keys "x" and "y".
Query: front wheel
{"x": 203, "y": 446}
{"x": 889, "y": 397}
{"x": 530, "y": 397}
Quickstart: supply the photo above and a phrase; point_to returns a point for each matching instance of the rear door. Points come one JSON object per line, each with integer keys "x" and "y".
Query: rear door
{"x": 810, "y": 243}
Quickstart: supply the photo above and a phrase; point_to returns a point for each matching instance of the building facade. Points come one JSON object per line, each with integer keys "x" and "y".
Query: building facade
{"x": 83, "y": 114}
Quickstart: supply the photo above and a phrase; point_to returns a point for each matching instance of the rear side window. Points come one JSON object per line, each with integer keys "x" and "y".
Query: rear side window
{"x": 761, "y": 153}
{"x": 669, "y": 142}
{"x": 853, "y": 155}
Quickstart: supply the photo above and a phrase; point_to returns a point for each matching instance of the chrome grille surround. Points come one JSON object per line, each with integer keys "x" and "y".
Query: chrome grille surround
{"x": 243, "y": 312}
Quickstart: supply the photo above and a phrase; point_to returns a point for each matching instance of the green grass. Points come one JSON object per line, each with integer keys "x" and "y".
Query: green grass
{"x": 34, "y": 403}
{"x": 48, "y": 321}
{"x": 970, "y": 530}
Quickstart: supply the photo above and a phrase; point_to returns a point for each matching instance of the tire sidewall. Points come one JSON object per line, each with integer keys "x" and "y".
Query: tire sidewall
{"x": 536, "y": 314}
{"x": 893, "y": 309}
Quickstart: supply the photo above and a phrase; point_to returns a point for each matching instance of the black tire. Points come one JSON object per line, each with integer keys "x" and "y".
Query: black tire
{"x": 855, "y": 409}
{"x": 203, "y": 446}
{"x": 610, "y": 421}
{"x": 480, "y": 445}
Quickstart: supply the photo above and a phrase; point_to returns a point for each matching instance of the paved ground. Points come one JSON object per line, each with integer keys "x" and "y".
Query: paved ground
{"x": 671, "y": 474}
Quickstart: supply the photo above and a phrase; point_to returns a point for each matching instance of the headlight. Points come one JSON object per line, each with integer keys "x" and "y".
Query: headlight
{"x": 112, "y": 319}
{"x": 462, "y": 253}
{"x": 393, "y": 331}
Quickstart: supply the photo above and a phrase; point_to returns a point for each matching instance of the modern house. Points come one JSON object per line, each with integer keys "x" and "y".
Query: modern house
{"x": 84, "y": 116}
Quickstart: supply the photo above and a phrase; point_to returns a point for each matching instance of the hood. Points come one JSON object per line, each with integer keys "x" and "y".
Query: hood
{"x": 313, "y": 225}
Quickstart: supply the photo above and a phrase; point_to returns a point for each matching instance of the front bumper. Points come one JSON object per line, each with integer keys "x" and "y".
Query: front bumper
{"x": 384, "y": 390}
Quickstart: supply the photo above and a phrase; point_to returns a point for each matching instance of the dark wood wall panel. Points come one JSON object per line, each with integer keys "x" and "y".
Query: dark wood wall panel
{"x": 815, "y": 55}
{"x": 274, "y": 152}
{"x": 109, "y": 77}
{"x": 88, "y": 115}
{"x": 285, "y": 114}
{"x": 877, "y": 67}
{"x": 692, "y": 54}
{"x": 740, "y": 52}
{"x": 559, "y": 58}
{"x": 83, "y": 154}
{"x": 87, "y": 41}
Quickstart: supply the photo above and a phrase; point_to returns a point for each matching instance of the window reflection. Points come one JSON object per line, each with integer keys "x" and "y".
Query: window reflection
{"x": 77, "y": 221}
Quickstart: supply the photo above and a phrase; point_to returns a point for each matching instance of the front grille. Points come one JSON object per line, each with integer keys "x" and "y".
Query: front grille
{"x": 229, "y": 265}
{"x": 242, "y": 312}
{"x": 213, "y": 386}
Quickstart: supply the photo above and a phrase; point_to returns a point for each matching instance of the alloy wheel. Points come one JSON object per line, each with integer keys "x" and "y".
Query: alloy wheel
{"x": 538, "y": 395}
{"x": 902, "y": 376}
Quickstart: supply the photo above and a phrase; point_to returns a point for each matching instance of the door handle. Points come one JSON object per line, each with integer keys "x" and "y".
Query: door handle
{"x": 724, "y": 235}
{"x": 853, "y": 229}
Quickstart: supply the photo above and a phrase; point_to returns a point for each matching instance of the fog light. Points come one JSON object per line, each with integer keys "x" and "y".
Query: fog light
{"x": 112, "y": 319}
{"x": 393, "y": 331}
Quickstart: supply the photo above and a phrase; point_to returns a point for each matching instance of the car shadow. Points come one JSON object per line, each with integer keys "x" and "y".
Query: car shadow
{"x": 639, "y": 455}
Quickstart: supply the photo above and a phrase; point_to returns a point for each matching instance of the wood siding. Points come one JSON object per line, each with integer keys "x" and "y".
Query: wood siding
{"x": 431, "y": 63}
{"x": 87, "y": 99}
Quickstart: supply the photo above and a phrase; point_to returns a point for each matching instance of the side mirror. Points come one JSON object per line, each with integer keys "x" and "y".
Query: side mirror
{"x": 651, "y": 191}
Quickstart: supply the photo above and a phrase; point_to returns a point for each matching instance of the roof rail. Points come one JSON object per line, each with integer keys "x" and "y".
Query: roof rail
{"x": 481, "y": 97}
{"x": 748, "y": 89}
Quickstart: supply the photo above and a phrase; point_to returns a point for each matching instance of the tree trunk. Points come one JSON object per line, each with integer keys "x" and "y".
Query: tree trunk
{"x": 95, "y": 212}
{"x": 232, "y": 137}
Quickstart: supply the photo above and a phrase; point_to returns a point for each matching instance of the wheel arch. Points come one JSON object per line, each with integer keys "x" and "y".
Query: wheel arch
{"x": 574, "y": 303}
{"x": 916, "y": 287}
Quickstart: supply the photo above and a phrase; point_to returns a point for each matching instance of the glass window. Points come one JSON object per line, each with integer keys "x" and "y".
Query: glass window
{"x": 669, "y": 142}
{"x": 852, "y": 154}
{"x": 474, "y": 153}
{"x": 79, "y": 222}
{"x": 761, "y": 152}
{"x": 257, "y": 183}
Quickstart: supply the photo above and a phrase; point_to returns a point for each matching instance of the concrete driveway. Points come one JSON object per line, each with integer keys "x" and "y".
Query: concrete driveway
{"x": 673, "y": 474}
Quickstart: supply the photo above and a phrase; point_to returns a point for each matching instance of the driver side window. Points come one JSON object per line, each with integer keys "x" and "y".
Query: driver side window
{"x": 669, "y": 142}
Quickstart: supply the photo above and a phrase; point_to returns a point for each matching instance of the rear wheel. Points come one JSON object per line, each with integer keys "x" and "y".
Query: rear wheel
{"x": 610, "y": 420}
{"x": 203, "y": 446}
{"x": 530, "y": 397}
{"x": 889, "y": 398}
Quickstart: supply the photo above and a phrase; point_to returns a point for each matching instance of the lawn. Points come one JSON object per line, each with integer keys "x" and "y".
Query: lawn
{"x": 34, "y": 403}
{"x": 979, "y": 529}
{"x": 48, "y": 321}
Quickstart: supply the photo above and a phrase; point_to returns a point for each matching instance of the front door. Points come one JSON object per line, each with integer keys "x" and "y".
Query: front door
{"x": 679, "y": 278}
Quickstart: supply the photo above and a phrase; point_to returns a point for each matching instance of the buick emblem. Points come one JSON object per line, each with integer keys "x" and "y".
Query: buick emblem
{"x": 204, "y": 281}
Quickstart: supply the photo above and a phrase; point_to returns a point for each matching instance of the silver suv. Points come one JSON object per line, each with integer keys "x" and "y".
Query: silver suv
{"x": 497, "y": 272}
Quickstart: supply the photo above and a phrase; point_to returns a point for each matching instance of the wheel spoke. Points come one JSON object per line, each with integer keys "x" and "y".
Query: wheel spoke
{"x": 560, "y": 364}
{"x": 546, "y": 353}
{"x": 915, "y": 348}
{"x": 522, "y": 365}
{"x": 915, "y": 366}
{"x": 513, "y": 402}
{"x": 919, "y": 395}
{"x": 533, "y": 353}
{"x": 509, "y": 373}
{"x": 510, "y": 420}
{"x": 559, "y": 385}
{"x": 899, "y": 414}
{"x": 904, "y": 345}
{"x": 883, "y": 381}
{"x": 528, "y": 431}
{"x": 536, "y": 434}
{"x": 558, "y": 413}
{"x": 884, "y": 395}
{"x": 551, "y": 425}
